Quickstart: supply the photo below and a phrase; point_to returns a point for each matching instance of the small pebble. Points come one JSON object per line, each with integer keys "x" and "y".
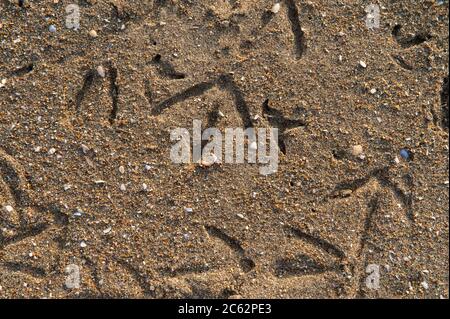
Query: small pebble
{"x": 362, "y": 64}
{"x": 52, "y": 28}
{"x": 373, "y": 91}
{"x": 107, "y": 230}
{"x": 2, "y": 83}
{"x": 84, "y": 148}
{"x": 144, "y": 187}
{"x": 93, "y": 33}
{"x": 122, "y": 170}
{"x": 240, "y": 216}
{"x": 406, "y": 154}
{"x": 123, "y": 188}
{"x": 425, "y": 285}
{"x": 83, "y": 244}
{"x": 78, "y": 213}
{"x": 357, "y": 150}
{"x": 8, "y": 209}
{"x": 101, "y": 71}
{"x": 276, "y": 8}
{"x": 51, "y": 151}
{"x": 220, "y": 114}
{"x": 188, "y": 210}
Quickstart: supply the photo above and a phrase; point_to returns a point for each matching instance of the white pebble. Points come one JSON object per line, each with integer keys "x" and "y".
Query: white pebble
{"x": 51, "y": 151}
{"x": 83, "y": 244}
{"x": 373, "y": 91}
{"x": 107, "y": 230}
{"x": 276, "y": 8}
{"x": 425, "y": 285}
{"x": 78, "y": 213}
{"x": 8, "y": 209}
{"x": 363, "y": 64}
{"x": 93, "y": 33}
{"x": 52, "y": 28}
{"x": 357, "y": 150}
{"x": 101, "y": 71}
{"x": 188, "y": 210}
{"x": 123, "y": 188}
{"x": 122, "y": 170}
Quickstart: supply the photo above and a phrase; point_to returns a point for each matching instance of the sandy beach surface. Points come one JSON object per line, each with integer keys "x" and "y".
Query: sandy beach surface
{"x": 92, "y": 206}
